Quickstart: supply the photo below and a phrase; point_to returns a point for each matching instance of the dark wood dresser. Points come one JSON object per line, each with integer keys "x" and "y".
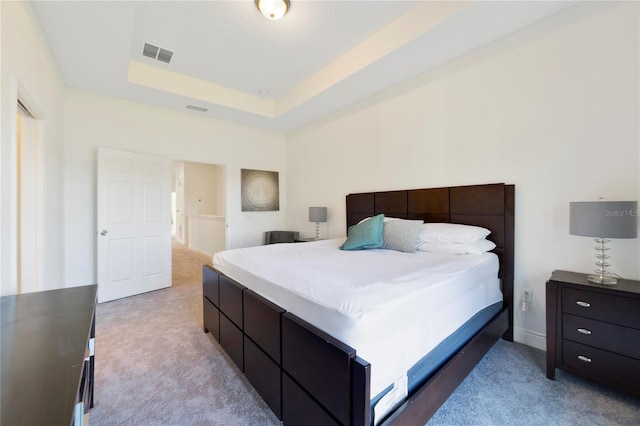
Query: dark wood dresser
{"x": 593, "y": 330}
{"x": 47, "y": 356}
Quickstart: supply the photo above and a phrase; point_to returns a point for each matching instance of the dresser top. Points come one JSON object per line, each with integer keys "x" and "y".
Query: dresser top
{"x": 630, "y": 286}
{"x": 44, "y": 338}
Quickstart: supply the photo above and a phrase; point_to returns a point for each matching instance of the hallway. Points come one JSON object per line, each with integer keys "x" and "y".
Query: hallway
{"x": 187, "y": 265}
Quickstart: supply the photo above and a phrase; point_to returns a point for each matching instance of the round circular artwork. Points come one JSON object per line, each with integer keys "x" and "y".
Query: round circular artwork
{"x": 259, "y": 190}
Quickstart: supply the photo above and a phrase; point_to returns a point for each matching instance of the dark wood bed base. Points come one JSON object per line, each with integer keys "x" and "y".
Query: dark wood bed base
{"x": 310, "y": 378}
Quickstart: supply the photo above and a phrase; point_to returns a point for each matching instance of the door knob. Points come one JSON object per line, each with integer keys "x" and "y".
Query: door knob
{"x": 104, "y": 232}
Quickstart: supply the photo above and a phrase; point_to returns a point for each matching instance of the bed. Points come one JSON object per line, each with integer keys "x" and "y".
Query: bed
{"x": 310, "y": 368}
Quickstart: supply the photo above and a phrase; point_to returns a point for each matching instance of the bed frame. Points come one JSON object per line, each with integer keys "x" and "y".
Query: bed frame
{"x": 310, "y": 378}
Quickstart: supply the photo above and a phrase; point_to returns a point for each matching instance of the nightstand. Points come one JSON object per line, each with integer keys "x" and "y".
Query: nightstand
{"x": 593, "y": 330}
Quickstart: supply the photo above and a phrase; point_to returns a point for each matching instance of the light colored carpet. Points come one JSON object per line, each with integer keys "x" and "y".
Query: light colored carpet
{"x": 509, "y": 387}
{"x": 155, "y": 366}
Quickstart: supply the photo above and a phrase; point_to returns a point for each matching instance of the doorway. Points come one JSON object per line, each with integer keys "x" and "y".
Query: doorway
{"x": 131, "y": 256}
{"x": 199, "y": 211}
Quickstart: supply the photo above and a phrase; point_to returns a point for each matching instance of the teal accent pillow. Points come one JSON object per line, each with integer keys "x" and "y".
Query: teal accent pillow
{"x": 365, "y": 235}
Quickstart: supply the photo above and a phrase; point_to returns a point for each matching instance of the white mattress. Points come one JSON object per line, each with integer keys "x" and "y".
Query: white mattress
{"x": 375, "y": 301}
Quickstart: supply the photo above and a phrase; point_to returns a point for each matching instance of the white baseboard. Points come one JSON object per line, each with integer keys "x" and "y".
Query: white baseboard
{"x": 529, "y": 338}
{"x": 200, "y": 251}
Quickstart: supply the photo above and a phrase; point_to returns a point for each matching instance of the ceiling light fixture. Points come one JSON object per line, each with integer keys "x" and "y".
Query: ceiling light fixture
{"x": 273, "y": 9}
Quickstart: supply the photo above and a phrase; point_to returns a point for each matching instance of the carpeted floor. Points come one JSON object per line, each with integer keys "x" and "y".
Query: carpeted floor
{"x": 509, "y": 387}
{"x": 155, "y": 366}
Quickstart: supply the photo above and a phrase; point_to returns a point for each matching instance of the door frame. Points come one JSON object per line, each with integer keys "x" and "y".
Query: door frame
{"x": 30, "y": 199}
{"x": 10, "y": 259}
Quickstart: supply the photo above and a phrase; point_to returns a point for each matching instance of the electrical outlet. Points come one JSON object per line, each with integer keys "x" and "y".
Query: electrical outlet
{"x": 527, "y": 295}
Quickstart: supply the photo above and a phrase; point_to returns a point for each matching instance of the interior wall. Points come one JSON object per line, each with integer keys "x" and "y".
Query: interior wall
{"x": 29, "y": 72}
{"x": 553, "y": 109}
{"x": 202, "y": 188}
{"x": 93, "y": 120}
{"x": 219, "y": 189}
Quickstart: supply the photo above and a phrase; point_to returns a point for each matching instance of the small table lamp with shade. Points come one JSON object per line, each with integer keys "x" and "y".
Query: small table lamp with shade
{"x": 317, "y": 215}
{"x": 603, "y": 220}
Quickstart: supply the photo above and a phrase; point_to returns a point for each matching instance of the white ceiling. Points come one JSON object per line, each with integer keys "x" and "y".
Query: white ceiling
{"x": 278, "y": 75}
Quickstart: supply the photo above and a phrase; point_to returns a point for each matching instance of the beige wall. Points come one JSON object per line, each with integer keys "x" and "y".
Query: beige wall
{"x": 553, "y": 109}
{"x": 29, "y": 72}
{"x": 202, "y": 191}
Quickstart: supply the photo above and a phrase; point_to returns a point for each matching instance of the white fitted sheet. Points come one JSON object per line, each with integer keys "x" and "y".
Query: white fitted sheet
{"x": 392, "y": 307}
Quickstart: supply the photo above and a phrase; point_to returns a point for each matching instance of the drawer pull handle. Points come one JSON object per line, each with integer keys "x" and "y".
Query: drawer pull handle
{"x": 584, "y": 358}
{"x": 584, "y": 331}
{"x": 583, "y": 304}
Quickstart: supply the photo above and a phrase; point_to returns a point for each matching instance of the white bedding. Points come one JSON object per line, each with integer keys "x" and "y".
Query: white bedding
{"x": 376, "y": 301}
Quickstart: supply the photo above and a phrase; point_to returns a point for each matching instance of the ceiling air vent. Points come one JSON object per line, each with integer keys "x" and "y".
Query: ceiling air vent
{"x": 158, "y": 53}
{"x": 150, "y": 51}
{"x": 197, "y": 108}
{"x": 165, "y": 55}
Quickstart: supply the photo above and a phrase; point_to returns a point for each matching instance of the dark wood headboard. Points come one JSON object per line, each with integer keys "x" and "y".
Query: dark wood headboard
{"x": 491, "y": 206}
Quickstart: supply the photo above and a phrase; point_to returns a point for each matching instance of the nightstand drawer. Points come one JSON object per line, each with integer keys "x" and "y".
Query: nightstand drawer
{"x": 598, "y": 363}
{"x": 610, "y": 337}
{"x": 604, "y": 307}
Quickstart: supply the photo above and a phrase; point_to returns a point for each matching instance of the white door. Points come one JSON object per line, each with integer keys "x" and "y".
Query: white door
{"x": 134, "y": 223}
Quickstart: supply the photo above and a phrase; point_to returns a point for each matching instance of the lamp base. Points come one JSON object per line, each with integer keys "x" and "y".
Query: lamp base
{"x": 603, "y": 279}
{"x": 602, "y": 276}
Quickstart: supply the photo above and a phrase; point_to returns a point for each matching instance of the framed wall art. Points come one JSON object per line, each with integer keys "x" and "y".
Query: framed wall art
{"x": 259, "y": 190}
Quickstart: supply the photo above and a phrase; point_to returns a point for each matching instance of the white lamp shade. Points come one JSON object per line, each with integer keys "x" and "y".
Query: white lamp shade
{"x": 317, "y": 214}
{"x": 604, "y": 219}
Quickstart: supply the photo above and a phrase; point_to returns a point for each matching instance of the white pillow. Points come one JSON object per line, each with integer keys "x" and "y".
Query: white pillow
{"x": 451, "y": 233}
{"x": 477, "y": 247}
{"x": 386, "y": 219}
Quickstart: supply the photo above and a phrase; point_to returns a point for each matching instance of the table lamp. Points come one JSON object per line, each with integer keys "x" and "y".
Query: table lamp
{"x": 317, "y": 215}
{"x": 603, "y": 220}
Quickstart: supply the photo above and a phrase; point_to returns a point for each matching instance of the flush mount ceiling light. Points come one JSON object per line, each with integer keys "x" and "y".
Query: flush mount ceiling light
{"x": 273, "y": 9}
